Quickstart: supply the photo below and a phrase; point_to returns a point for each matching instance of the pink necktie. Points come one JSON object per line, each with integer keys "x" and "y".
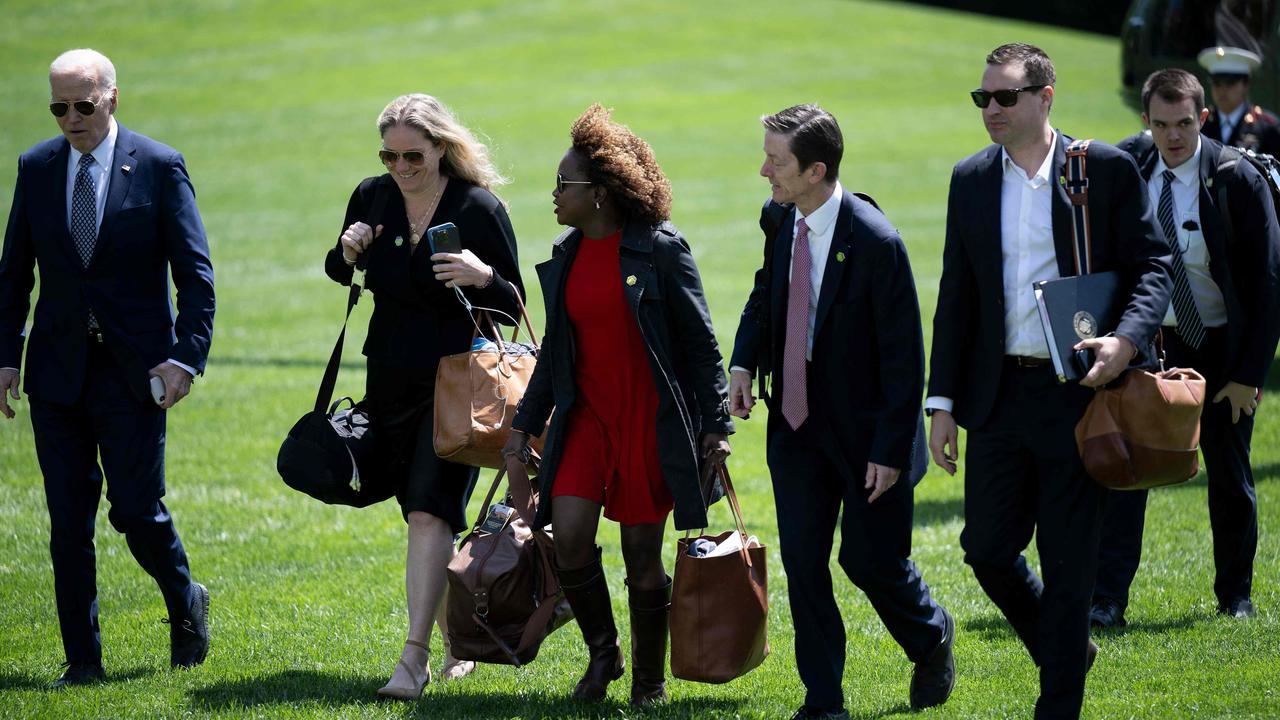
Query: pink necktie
{"x": 795, "y": 393}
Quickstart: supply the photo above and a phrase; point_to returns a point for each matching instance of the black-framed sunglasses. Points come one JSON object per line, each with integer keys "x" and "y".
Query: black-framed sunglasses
{"x": 1006, "y": 98}
{"x": 413, "y": 157}
{"x": 561, "y": 182}
{"x": 84, "y": 107}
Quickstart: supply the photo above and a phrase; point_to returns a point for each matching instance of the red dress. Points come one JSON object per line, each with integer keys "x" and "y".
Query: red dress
{"x": 610, "y": 453}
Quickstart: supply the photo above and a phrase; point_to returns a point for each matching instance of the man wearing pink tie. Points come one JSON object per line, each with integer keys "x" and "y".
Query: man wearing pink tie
{"x": 834, "y": 318}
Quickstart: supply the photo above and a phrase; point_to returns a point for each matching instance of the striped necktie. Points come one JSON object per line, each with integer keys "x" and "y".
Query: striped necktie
{"x": 1190, "y": 326}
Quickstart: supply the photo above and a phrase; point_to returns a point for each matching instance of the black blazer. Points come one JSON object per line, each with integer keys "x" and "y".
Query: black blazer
{"x": 867, "y": 372}
{"x": 1246, "y": 269}
{"x": 416, "y": 320}
{"x": 150, "y": 230}
{"x": 968, "y": 327}
{"x": 693, "y": 396}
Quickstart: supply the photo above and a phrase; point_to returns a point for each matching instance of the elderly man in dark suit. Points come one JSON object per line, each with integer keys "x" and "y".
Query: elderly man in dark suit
{"x": 108, "y": 215}
{"x": 834, "y": 312}
{"x": 1009, "y": 225}
{"x": 1224, "y": 322}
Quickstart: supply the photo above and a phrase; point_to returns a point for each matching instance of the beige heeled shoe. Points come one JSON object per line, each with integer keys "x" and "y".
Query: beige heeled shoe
{"x": 420, "y": 679}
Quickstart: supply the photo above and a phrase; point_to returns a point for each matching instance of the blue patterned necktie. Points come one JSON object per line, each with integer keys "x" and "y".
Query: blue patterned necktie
{"x": 84, "y": 216}
{"x": 1190, "y": 326}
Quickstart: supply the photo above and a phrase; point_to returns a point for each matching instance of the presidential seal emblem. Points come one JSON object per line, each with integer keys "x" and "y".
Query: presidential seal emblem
{"x": 1085, "y": 324}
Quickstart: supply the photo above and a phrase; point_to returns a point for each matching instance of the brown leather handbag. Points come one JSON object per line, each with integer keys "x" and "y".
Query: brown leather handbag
{"x": 1144, "y": 431}
{"x": 719, "y": 604}
{"x": 504, "y": 597}
{"x": 477, "y": 392}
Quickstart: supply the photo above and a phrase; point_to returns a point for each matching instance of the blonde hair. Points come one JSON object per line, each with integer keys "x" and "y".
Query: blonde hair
{"x": 88, "y": 63}
{"x": 465, "y": 157}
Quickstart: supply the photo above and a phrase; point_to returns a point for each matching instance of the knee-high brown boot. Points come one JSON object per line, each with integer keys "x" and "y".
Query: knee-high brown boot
{"x": 588, "y": 595}
{"x": 650, "y": 610}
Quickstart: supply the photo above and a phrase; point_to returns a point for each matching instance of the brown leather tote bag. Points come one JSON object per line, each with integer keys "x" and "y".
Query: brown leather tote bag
{"x": 1145, "y": 431}
{"x": 719, "y": 604}
{"x": 477, "y": 392}
{"x": 504, "y": 598}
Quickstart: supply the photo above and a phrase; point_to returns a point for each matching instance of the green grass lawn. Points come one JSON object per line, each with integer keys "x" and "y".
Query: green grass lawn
{"x": 274, "y": 105}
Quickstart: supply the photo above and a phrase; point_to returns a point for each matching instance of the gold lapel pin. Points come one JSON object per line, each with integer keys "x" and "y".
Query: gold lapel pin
{"x": 839, "y": 257}
{"x": 125, "y": 169}
{"x": 631, "y": 280}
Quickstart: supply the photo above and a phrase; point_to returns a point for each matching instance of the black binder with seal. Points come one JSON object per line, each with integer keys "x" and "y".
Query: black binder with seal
{"x": 1074, "y": 309}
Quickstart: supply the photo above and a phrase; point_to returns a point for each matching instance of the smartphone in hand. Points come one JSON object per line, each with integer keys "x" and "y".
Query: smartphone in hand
{"x": 157, "y": 389}
{"x": 444, "y": 238}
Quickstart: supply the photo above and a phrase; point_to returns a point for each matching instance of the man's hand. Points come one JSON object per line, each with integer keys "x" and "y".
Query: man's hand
{"x": 9, "y": 381}
{"x": 1112, "y": 355}
{"x": 880, "y": 478}
{"x": 177, "y": 382}
{"x": 944, "y": 441}
{"x": 740, "y": 398}
{"x": 1243, "y": 398}
{"x": 715, "y": 446}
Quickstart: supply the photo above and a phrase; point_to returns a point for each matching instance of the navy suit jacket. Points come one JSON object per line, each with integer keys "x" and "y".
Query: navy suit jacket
{"x": 968, "y": 328}
{"x": 150, "y": 227}
{"x": 867, "y": 372}
{"x": 1247, "y": 268}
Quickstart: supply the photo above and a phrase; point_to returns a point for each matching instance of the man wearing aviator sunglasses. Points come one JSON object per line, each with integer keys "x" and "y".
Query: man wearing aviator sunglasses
{"x": 1008, "y": 226}
{"x": 108, "y": 216}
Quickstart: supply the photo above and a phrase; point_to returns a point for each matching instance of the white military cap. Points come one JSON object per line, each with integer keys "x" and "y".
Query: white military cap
{"x": 1228, "y": 61}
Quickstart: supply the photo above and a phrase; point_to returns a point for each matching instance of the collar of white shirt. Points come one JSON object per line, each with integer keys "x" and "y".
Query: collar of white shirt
{"x": 101, "y": 154}
{"x": 1041, "y": 176}
{"x": 1187, "y": 173}
{"x": 821, "y": 220}
{"x": 1231, "y": 119}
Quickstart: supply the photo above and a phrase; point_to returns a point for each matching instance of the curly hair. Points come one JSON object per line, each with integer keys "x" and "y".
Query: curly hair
{"x": 623, "y": 164}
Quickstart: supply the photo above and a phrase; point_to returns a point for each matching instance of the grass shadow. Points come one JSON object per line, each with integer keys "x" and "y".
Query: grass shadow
{"x": 937, "y": 512}
{"x": 899, "y": 709}
{"x": 546, "y": 705}
{"x": 1154, "y": 627}
{"x": 989, "y": 627}
{"x": 289, "y": 686}
{"x": 16, "y": 681}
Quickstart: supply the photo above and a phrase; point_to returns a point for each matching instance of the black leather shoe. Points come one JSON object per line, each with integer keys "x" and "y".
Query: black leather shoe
{"x": 1106, "y": 614}
{"x": 807, "y": 713}
{"x": 933, "y": 679}
{"x": 1238, "y": 608}
{"x": 189, "y": 637}
{"x": 78, "y": 674}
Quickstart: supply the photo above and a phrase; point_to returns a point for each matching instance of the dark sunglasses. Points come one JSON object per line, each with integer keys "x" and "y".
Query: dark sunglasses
{"x": 84, "y": 107}
{"x": 561, "y": 182}
{"x": 413, "y": 157}
{"x": 1006, "y": 98}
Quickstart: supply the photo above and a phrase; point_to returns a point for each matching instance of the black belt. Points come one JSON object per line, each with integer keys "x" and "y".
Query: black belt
{"x": 1026, "y": 361}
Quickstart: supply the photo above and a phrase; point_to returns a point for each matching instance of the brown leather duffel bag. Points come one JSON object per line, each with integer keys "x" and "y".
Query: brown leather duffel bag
{"x": 504, "y": 597}
{"x": 477, "y": 392}
{"x": 720, "y": 603}
{"x": 1145, "y": 431}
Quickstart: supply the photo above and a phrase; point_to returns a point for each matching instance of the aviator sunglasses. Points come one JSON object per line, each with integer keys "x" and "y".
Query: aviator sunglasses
{"x": 1006, "y": 98}
{"x": 561, "y": 182}
{"x": 413, "y": 157}
{"x": 84, "y": 107}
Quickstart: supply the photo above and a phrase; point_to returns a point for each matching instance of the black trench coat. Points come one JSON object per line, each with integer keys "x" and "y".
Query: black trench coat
{"x": 666, "y": 296}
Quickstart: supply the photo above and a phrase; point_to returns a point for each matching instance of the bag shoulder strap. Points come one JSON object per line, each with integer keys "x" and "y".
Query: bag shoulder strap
{"x": 1227, "y": 162}
{"x": 1076, "y": 184}
{"x": 330, "y": 379}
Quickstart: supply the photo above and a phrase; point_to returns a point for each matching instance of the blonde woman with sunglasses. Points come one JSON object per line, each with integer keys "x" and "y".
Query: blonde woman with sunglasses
{"x": 437, "y": 172}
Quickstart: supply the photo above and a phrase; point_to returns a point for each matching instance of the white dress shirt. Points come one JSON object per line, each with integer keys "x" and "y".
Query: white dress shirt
{"x": 1227, "y": 122}
{"x": 1026, "y": 245}
{"x": 1195, "y": 254}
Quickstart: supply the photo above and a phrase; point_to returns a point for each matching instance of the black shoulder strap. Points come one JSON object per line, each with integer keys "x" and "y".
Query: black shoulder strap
{"x": 1227, "y": 161}
{"x": 380, "y": 193}
{"x": 869, "y": 199}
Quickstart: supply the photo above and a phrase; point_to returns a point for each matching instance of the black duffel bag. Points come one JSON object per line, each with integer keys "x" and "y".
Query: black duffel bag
{"x": 332, "y": 457}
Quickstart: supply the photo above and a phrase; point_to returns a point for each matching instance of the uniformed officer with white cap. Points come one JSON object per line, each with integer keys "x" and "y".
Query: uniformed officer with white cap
{"x": 1235, "y": 120}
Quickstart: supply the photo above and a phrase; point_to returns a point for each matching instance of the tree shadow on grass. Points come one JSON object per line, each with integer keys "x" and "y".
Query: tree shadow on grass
{"x": 28, "y": 681}
{"x": 295, "y": 686}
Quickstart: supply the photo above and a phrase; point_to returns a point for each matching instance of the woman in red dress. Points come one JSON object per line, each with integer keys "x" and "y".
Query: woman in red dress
{"x": 631, "y": 376}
